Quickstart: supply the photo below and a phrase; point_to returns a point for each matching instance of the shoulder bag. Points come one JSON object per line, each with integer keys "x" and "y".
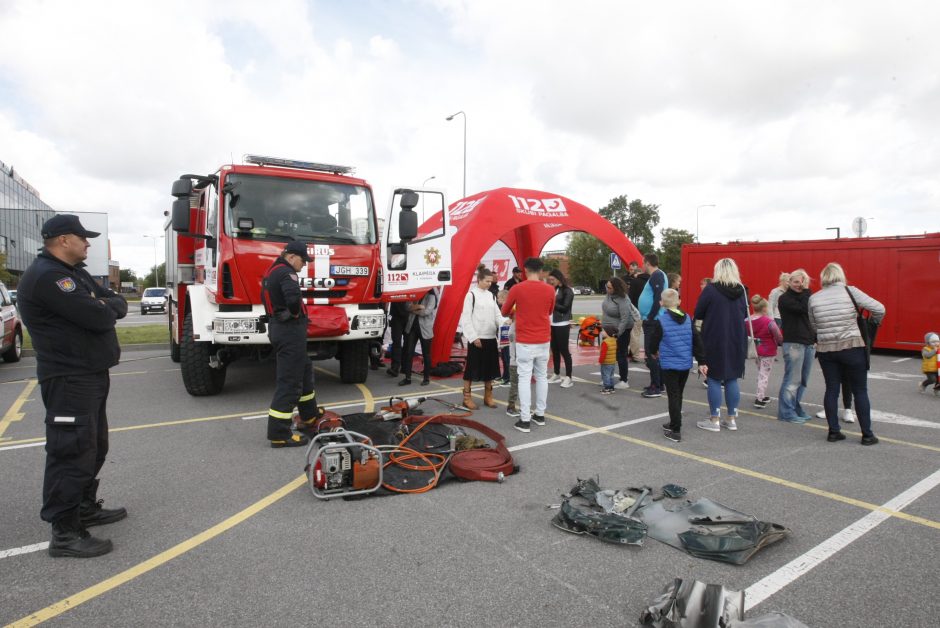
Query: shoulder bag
{"x": 866, "y": 327}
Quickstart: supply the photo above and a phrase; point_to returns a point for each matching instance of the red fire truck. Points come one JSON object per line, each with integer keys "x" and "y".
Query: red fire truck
{"x": 903, "y": 272}
{"x": 226, "y": 228}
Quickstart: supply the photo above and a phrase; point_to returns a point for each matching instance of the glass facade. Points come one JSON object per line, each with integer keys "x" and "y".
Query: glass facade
{"x": 22, "y": 214}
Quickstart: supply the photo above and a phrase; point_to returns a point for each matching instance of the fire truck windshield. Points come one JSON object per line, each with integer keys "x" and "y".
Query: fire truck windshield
{"x": 283, "y": 209}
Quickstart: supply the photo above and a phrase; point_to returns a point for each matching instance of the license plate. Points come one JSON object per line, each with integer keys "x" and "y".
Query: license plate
{"x": 359, "y": 271}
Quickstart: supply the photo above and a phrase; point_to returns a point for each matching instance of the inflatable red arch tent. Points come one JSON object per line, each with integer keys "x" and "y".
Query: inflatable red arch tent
{"x": 525, "y": 220}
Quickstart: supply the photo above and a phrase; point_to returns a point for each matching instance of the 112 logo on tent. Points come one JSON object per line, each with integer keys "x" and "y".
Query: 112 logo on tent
{"x": 539, "y": 206}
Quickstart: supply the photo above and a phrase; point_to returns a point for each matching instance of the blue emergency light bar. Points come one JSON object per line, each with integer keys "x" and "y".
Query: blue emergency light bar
{"x": 300, "y": 165}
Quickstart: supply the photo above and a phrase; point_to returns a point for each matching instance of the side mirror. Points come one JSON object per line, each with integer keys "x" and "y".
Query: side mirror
{"x": 407, "y": 224}
{"x": 182, "y": 188}
{"x": 409, "y": 199}
{"x": 180, "y": 214}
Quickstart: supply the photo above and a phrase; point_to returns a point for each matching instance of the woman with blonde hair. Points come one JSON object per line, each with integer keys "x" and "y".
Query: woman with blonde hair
{"x": 840, "y": 348}
{"x": 480, "y": 321}
{"x": 722, "y": 308}
{"x": 774, "y": 296}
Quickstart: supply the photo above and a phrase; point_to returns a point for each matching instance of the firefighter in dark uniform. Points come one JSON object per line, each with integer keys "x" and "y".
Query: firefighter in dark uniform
{"x": 71, "y": 321}
{"x": 287, "y": 329}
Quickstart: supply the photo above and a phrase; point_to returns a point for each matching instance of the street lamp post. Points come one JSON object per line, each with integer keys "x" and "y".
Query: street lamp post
{"x": 449, "y": 118}
{"x": 696, "y": 219}
{"x": 428, "y": 179}
{"x": 156, "y": 268}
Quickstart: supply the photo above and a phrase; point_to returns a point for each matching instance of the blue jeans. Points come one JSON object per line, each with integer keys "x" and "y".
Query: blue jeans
{"x": 797, "y": 364}
{"x": 532, "y": 360}
{"x": 849, "y": 364}
{"x": 732, "y": 396}
{"x": 607, "y": 375}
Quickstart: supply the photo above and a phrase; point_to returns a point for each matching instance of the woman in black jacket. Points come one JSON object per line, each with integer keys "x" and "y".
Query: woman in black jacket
{"x": 561, "y": 327}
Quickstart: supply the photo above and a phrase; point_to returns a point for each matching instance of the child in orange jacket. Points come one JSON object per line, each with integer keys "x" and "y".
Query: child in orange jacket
{"x": 929, "y": 363}
{"x": 608, "y": 359}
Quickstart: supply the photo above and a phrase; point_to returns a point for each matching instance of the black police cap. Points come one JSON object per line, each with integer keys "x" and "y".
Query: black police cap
{"x": 64, "y": 224}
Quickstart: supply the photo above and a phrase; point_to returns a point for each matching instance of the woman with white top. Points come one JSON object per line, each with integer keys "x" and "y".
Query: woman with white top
{"x": 480, "y": 321}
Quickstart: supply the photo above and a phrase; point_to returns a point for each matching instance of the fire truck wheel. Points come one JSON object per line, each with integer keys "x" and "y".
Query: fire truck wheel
{"x": 354, "y": 361}
{"x": 199, "y": 377}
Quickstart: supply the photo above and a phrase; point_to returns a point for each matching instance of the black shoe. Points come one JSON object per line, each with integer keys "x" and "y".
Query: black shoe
{"x": 835, "y": 436}
{"x": 91, "y": 513}
{"x": 522, "y": 426}
{"x": 296, "y": 440}
{"x": 760, "y": 403}
{"x": 651, "y": 393}
{"x": 71, "y": 539}
{"x": 425, "y": 381}
{"x": 405, "y": 382}
{"x": 667, "y": 426}
{"x": 538, "y": 420}
{"x": 673, "y": 436}
{"x": 392, "y": 371}
{"x": 870, "y": 440}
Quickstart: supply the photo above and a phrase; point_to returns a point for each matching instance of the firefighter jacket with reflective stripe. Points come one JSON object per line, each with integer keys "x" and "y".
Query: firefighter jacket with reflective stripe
{"x": 280, "y": 292}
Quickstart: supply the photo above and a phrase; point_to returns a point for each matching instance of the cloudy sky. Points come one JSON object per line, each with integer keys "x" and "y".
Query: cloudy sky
{"x": 788, "y": 117}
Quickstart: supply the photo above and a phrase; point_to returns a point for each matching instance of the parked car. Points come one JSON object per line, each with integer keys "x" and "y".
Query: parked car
{"x": 152, "y": 300}
{"x": 582, "y": 290}
{"x": 12, "y": 296}
{"x": 11, "y": 339}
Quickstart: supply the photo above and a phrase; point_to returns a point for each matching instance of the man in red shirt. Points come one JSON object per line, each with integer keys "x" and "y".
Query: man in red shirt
{"x": 533, "y": 301}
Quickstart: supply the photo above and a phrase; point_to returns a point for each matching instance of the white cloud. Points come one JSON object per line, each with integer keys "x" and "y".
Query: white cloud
{"x": 789, "y": 117}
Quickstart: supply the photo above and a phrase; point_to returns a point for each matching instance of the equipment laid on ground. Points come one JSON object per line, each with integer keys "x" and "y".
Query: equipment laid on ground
{"x": 343, "y": 463}
{"x": 226, "y": 228}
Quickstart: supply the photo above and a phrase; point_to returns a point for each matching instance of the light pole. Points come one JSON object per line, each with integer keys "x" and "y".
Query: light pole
{"x": 428, "y": 179}
{"x": 156, "y": 268}
{"x": 696, "y": 219}
{"x": 449, "y": 118}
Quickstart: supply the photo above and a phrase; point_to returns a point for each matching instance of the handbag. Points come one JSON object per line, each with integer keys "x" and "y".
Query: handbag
{"x": 866, "y": 327}
{"x": 752, "y": 342}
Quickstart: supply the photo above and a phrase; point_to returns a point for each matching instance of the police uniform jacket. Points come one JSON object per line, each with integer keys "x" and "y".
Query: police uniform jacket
{"x": 283, "y": 290}
{"x": 69, "y": 317}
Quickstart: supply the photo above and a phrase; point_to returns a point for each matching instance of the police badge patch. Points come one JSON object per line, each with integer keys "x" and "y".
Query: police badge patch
{"x": 66, "y": 285}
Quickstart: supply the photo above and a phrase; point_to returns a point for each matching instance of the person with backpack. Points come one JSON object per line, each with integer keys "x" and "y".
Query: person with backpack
{"x": 480, "y": 321}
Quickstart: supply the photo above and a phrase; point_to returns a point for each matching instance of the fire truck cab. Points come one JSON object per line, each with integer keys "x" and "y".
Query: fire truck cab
{"x": 225, "y": 229}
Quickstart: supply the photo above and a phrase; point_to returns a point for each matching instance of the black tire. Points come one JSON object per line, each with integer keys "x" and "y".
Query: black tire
{"x": 200, "y": 379}
{"x": 14, "y": 353}
{"x": 354, "y": 361}
{"x": 174, "y": 346}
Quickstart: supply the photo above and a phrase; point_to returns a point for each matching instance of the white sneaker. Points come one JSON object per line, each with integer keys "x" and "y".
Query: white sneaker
{"x": 553, "y": 378}
{"x": 622, "y": 385}
{"x": 708, "y": 425}
{"x": 821, "y": 414}
{"x": 566, "y": 382}
{"x": 730, "y": 424}
{"x": 849, "y": 416}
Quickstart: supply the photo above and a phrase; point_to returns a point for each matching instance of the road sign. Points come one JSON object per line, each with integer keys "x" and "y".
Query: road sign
{"x": 615, "y": 262}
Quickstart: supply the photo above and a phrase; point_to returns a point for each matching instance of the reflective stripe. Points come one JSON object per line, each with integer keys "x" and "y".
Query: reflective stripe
{"x": 280, "y": 415}
{"x": 307, "y": 397}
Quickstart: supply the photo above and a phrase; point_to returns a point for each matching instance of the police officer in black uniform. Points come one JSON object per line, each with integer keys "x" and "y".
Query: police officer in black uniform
{"x": 71, "y": 321}
{"x": 287, "y": 329}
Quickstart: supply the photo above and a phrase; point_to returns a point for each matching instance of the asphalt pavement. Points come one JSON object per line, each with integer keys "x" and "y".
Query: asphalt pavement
{"x": 222, "y": 530}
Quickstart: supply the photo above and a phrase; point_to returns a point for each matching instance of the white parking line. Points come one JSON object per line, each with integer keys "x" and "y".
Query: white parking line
{"x": 901, "y": 360}
{"x": 558, "y": 439}
{"x": 764, "y": 588}
{"x": 26, "y": 549}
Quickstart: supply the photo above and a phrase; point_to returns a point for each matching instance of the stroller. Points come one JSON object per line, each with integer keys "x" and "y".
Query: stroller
{"x": 590, "y": 330}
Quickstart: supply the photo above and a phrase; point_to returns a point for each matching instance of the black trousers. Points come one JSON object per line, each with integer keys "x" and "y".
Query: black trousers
{"x": 76, "y": 439}
{"x": 408, "y": 351}
{"x": 656, "y": 378}
{"x": 560, "y": 349}
{"x": 397, "y": 327}
{"x": 675, "y": 384}
{"x": 623, "y": 349}
{"x": 294, "y": 383}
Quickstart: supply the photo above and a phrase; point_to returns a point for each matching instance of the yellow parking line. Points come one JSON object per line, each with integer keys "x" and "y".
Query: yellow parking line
{"x": 14, "y": 414}
{"x": 164, "y": 557}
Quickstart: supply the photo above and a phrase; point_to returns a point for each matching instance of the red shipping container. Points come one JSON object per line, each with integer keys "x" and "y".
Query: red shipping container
{"x": 903, "y": 272}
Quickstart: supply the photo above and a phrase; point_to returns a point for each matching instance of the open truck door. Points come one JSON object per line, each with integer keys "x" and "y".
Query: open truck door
{"x": 416, "y": 253}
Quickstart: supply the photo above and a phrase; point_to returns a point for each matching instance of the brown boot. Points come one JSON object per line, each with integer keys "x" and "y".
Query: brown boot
{"x": 467, "y": 399}
{"x": 488, "y": 395}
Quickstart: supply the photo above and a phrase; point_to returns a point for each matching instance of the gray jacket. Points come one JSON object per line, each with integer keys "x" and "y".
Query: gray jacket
{"x": 833, "y": 316}
{"x": 615, "y": 312}
{"x": 426, "y": 316}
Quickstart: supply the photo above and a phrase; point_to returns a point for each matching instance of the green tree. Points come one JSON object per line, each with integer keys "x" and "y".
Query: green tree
{"x": 128, "y": 275}
{"x": 588, "y": 260}
{"x": 635, "y": 219}
{"x": 670, "y": 254}
{"x": 550, "y": 263}
{"x": 150, "y": 280}
{"x": 5, "y": 275}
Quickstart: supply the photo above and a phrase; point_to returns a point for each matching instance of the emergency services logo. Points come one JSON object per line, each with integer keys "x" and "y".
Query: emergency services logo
{"x": 542, "y": 207}
{"x": 66, "y": 285}
{"x": 463, "y": 208}
{"x": 432, "y": 257}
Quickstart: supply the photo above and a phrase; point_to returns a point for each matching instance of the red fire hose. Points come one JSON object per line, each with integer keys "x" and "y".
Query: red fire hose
{"x": 488, "y": 465}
